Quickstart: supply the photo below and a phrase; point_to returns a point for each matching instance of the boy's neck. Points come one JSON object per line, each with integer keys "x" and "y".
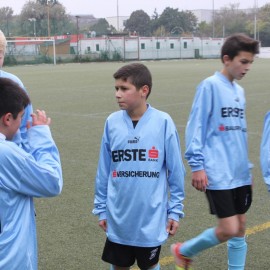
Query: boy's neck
{"x": 136, "y": 115}
{"x": 226, "y": 74}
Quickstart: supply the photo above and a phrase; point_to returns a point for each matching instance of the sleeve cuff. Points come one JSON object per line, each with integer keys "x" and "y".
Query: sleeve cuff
{"x": 175, "y": 217}
{"x": 197, "y": 168}
{"x": 102, "y": 216}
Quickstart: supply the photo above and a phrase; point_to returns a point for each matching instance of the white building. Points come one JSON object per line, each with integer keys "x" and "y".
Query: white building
{"x": 151, "y": 48}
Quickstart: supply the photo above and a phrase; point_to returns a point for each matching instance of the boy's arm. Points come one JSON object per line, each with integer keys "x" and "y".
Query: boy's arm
{"x": 20, "y": 137}
{"x": 38, "y": 173}
{"x": 176, "y": 175}
{"x": 102, "y": 178}
{"x": 23, "y": 128}
{"x": 265, "y": 151}
{"x": 195, "y": 135}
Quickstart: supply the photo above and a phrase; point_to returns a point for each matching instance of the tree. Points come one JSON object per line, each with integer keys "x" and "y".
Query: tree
{"x": 46, "y": 2}
{"x": 177, "y": 22}
{"x": 138, "y": 22}
{"x": 263, "y": 25}
{"x": 188, "y": 21}
{"x": 5, "y": 19}
{"x": 169, "y": 19}
{"x": 154, "y": 26}
{"x": 49, "y": 19}
{"x": 155, "y": 15}
{"x": 231, "y": 20}
{"x": 227, "y": 20}
{"x": 160, "y": 32}
{"x": 264, "y": 34}
{"x": 58, "y": 19}
{"x": 102, "y": 27}
{"x": 204, "y": 29}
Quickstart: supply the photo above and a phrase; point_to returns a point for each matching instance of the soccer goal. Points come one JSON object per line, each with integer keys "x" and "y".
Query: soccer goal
{"x": 31, "y": 50}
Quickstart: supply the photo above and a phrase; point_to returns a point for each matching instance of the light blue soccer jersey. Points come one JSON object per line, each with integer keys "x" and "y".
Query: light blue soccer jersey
{"x": 265, "y": 151}
{"x": 137, "y": 169}
{"x": 24, "y": 176}
{"x": 216, "y": 134}
{"x": 21, "y": 136}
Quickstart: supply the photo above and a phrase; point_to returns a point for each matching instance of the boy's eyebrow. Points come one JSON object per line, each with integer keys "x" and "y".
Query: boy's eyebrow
{"x": 246, "y": 60}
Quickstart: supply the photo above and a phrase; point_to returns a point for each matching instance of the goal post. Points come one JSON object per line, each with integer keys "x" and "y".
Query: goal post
{"x": 31, "y": 50}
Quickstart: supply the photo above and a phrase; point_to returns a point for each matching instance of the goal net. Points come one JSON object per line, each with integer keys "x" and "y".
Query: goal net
{"x": 30, "y": 51}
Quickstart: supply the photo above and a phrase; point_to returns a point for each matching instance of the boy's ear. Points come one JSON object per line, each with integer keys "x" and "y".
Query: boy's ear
{"x": 145, "y": 90}
{"x": 7, "y": 119}
{"x": 226, "y": 58}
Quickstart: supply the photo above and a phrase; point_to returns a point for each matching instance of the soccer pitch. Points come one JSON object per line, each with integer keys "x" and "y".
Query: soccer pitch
{"x": 78, "y": 98}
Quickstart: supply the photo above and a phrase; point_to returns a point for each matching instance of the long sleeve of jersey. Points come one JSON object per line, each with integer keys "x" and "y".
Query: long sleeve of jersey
{"x": 176, "y": 174}
{"x": 196, "y": 129}
{"x": 35, "y": 174}
{"x": 102, "y": 177}
{"x": 265, "y": 151}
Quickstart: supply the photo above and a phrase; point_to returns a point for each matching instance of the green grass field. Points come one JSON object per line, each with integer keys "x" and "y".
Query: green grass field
{"x": 78, "y": 98}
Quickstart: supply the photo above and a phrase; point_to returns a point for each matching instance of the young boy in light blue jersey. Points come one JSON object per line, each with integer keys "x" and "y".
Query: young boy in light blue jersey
{"x": 140, "y": 164}
{"x": 217, "y": 152}
{"x": 265, "y": 151}
{"x": 23, "y": 176}
{"x": 21, "y": 136}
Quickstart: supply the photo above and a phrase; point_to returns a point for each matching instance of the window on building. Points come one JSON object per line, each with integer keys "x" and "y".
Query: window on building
{"x": 158, "y": 45}
{"x": 185, "y": 45}
{"x": 88, "y": 49}
{"x": 171, "y": 45}
{"x": 142, "y": 46}
{"x": 97, "y": 47}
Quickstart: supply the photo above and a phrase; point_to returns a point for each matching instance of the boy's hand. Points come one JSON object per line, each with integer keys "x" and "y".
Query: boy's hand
{"x": 39, "y": 118}
{"x": 103, "y": 224}
{"x": 199, "y": 180}
{"x": 172, "y": 226}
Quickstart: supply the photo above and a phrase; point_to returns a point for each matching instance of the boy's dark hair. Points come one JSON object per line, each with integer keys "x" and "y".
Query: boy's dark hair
{"x": 13, "y": 99}
{"x": 138, "y": 74}
{"x": 239, "y": 42}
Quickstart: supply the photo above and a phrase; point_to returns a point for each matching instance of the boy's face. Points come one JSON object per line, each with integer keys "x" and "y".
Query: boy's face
{"x": 12, "y": 125}
{"x": 128, "y": 96}
{"x": 237, "y": 67}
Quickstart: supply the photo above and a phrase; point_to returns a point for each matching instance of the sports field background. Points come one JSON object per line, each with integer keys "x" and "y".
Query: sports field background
{"x": 78, "y": 98}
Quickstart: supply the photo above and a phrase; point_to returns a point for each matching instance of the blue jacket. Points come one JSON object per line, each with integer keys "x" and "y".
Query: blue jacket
{"x": 137, "y": 169}
{"x": 24, "y": 176}
{"x": 216, "y": 134}
{"x": 265, "y": 151}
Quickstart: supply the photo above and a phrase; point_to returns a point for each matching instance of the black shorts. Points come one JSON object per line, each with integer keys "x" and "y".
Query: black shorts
{"x": 125, "y": 256}
{"x": 229, "y": 202}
